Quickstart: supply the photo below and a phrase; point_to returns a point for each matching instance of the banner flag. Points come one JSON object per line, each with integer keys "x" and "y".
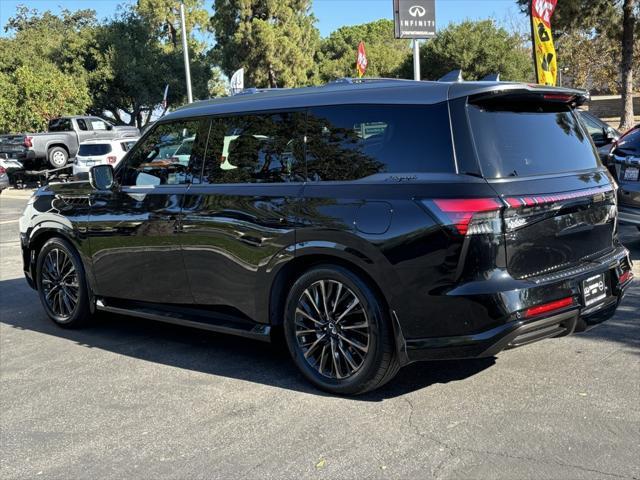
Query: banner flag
{"x": 236, "y": 84}
{"x": 361, "y": 60}
{"x": 544, "y": 52}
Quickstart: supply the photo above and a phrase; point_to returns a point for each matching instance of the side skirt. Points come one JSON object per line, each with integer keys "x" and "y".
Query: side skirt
{"x": 214, "y": 322}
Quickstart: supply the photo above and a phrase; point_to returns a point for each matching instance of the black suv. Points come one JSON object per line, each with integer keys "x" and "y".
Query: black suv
{"x": 374, "y": 223}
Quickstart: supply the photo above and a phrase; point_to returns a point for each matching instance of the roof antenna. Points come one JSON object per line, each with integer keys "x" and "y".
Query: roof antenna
{"x": 492, "y": 77}
{"x": 452, "y": 76}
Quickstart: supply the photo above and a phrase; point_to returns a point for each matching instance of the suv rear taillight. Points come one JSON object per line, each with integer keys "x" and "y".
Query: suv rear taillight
{"x": 28, "y": 142}
{"x": 112, "y": 159}
{"x": 469, "y": 216}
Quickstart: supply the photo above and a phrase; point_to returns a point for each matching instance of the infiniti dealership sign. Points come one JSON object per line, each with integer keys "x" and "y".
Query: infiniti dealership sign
{"x": 414, "y": 18}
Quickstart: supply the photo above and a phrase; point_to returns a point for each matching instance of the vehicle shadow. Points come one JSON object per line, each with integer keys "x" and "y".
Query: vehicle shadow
{"x": 208, "y": 352}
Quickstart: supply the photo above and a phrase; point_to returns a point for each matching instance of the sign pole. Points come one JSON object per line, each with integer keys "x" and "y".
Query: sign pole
{"x": 416, "y": 59}
{"x": 185, "y": 51}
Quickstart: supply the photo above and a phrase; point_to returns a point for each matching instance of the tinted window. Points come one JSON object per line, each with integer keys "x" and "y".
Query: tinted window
{"x": 256, "y": 148}
{"x": 82, "y": 125}
{"x": 60, "y": 125}
{"x": 93, "y": 149}
{"x": 534, "y": 140}
{"x": 163, "y": 157}
{"x": 630, "y": 142}
{"x": 355, "y": 141}
{"x": 595, "y": 129}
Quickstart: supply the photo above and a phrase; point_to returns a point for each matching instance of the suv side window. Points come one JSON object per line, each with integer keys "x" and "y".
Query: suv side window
{"x": 171, "y": 154}
{"x": 595, "y": 131}
{"x": 349, "y": 142}
{"x": 261, "y": 148}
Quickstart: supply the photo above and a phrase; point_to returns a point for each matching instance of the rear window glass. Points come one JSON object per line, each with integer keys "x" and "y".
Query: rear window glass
{"x": 90, "y": 149}
{"x": 60, "y": 125}
{"x": 534, "y": 140}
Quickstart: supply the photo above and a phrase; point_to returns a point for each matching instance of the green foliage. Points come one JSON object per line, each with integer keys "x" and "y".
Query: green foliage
{"x": 478, "y": 48}
{"x": 337, "y": 56}
{"x": 164, "y": 17}
{"x": 31, "y": 96}
{"x": 42, "y": 68}
{"x": 274, "y": 40}
{"x": 132, "y": 69}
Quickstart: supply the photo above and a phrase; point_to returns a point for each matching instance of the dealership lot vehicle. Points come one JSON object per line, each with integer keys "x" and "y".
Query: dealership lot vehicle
{"x": 603, "y": 135}
{"x": 377, "y": 223}
{"x": 624, "y": 160}
{"x": 100, "y": 152}
{"x": 4, "y": 179}
{"x": 55, "y": 147}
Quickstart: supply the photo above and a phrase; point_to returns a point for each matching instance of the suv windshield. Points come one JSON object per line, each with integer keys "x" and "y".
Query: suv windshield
{"x": 533, "y": 140}
{"x": 90, "y": 149}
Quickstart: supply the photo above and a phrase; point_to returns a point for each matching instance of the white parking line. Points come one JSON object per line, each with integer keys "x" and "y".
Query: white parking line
{"x": 4, "y": 222}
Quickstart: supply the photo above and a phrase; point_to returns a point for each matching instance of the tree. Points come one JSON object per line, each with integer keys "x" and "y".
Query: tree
{"x": 385, "y": 54}
{"x": 615, "y": 19}
{"x": 628, "y": 29}
{"x": 164, "y": 16}
{"x": 42, "y": 67}
{"x": 275, "y": 41}
{"x": 133, "y": 67}
{"x": 478, "y": 48}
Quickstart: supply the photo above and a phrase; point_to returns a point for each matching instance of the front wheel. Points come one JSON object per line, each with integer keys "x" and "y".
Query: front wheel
{"x": 61, "y": 284}
{"x": 338, "y": 333}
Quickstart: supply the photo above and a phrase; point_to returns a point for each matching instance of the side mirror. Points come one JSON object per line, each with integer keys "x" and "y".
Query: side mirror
{"x": 101, "y": 177}
{"x": 109, "y": 126}
{"x": 610, "y": 134}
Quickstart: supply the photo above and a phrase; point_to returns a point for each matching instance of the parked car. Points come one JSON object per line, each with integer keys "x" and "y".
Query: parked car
{"x": 54, "y": 148}
{"x": 4, "y": 179}
{"x": 603, "y": 135}
{"x": 99, "y": 152}
{"x": 378, "y": 223}
{"x": 624, "y": 160}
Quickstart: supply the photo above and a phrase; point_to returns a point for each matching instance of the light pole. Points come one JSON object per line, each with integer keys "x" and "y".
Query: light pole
{"x": 416, "y": 59}
{"x": 185, "y": 51}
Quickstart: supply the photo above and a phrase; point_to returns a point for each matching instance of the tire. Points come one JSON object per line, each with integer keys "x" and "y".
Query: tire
{"x": 363, "y": 358}
{"x": 58, "y": 157}
{"x": 59, "y": 265}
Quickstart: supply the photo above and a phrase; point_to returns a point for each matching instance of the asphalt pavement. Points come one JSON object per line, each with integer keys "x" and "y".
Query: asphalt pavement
{"x": 129, "y": 398}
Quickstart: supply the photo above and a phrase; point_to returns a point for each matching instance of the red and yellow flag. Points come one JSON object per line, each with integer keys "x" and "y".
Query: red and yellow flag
{"x": 544, "y": 53}
{"x": 361, "y": 60}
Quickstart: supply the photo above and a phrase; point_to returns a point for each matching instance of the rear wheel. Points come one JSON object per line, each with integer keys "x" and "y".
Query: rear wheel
{"x": 58, "y": 157}
{"x": 61, "y": 284}
{"x": 338, "y": 332}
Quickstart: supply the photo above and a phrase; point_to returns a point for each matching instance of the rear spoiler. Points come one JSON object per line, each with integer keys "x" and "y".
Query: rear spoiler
{"x": 481, "y": 91}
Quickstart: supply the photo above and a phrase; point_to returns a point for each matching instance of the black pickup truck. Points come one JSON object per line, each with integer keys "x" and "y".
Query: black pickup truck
{"x": 54, "y": 148}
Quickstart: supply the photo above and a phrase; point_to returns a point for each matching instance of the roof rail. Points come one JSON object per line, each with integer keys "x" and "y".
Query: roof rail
{"x": 492, "y": 77}
{"x": 452, "y": 76}
{"x": 252, "y": 90}
{"x": 351, "y": 81}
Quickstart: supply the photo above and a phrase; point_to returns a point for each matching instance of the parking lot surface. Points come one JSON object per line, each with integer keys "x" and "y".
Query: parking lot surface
{"x": 130, "y": 398}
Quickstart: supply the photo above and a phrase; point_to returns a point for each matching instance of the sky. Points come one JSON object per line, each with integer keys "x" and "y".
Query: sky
{"x": 331, "y": 14}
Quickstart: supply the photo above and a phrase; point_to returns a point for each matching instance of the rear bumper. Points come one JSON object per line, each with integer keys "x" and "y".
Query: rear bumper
{"x": 516, "y": 332}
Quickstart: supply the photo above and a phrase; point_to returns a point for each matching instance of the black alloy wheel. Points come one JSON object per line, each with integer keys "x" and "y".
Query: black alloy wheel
{"x": 338, "y": 332}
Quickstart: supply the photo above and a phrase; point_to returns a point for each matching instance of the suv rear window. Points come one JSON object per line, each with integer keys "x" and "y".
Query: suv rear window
{"x": 91, "y": 149}
{"x": 535, "y": 139}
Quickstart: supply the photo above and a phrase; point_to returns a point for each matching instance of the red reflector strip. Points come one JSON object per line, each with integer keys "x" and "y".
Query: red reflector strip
{"x": 560, "y": 97}
{"x": 548, "y": 307}
{"x": 625, "y": 276}
{"x": 460, "y": 210}
{"x": 530, "y": 201}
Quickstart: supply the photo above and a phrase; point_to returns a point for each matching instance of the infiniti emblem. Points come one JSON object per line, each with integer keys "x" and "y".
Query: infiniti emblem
{"x": 417, "y": 11}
